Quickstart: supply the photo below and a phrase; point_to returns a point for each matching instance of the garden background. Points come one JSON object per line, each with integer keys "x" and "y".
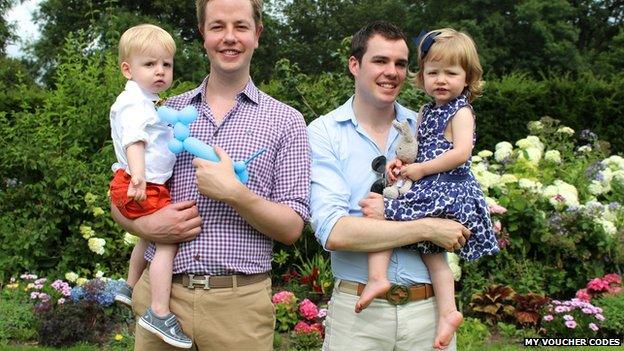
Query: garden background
{"x": 556, "y": 184}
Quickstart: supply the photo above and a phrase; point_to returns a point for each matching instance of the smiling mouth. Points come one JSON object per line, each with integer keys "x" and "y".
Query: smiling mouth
{"x": 387, "y": 85}
{"x": 230, "y": 52}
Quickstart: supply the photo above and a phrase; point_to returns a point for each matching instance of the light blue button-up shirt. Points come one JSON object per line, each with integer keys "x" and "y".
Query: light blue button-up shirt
{"x": 341, "y": 176}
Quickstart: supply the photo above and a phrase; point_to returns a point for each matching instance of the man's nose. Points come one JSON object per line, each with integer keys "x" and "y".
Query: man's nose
{"x": 391, "y": 70}
{"x": 229, "y": 36}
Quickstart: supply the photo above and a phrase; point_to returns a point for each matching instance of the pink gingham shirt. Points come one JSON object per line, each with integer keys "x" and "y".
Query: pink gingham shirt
{"x": 227, "y": 244}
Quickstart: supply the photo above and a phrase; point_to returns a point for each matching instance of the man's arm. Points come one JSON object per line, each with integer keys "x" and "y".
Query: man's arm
{"x": 217, "y": 181}
{"x": 171, "y": 224}
{"x": 372, "y": 235}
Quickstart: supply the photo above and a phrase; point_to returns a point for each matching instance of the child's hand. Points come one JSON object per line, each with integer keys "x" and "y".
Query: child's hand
{"x": 413, "y": 171}
{"x": 136, "y": 188}
{"x": 393, "y": 169}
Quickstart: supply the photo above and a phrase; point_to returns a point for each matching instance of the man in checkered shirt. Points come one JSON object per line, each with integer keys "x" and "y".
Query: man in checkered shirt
{"x": 221, "y": 289}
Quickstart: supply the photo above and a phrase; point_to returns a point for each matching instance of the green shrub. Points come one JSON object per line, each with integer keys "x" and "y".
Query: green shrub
{"x": 613, "y": 311}
{"x": 471, "y": 334}
{"x": 18, "y": 322}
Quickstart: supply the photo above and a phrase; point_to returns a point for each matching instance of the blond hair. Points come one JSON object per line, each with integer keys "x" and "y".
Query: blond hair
{"x": 454, "y": 48}
{"x": 200, "y": 6}
{"x": 142, "y": 38}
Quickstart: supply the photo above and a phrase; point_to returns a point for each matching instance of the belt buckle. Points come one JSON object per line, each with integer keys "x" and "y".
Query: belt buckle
{"x": 398, "y": 295}
{"x": 205, "y": 282}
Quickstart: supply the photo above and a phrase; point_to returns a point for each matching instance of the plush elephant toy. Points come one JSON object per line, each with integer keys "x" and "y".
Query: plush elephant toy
{"x": 406, "y": 151}
{"x": 182, "y": 140}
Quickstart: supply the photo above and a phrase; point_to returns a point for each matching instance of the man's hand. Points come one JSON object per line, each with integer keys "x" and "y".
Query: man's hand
{"x": 136, "y": 188}
{"x": 372, "y": 206}
{"x": 447, "y": 233}
{"x": 217, "y": 180}
{"x": 172, "y": 224}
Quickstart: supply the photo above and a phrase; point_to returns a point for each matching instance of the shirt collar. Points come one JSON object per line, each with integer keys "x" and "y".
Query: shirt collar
{"x": 134, "y": 88}
{"x": 250, "y": 91}
{"x": 346, "y": 113}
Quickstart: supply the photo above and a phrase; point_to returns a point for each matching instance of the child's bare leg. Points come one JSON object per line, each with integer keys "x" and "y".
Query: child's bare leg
{"x": 449, "y": 319}
{"x": 377, "y": 278}
{"x": 160, "y": 273}
{"x": 137, "y": 262}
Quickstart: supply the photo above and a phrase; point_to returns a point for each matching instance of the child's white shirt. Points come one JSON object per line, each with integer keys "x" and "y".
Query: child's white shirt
{"x": 133, "y": 118}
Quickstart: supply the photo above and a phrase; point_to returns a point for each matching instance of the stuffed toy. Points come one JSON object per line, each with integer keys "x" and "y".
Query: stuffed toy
{"x": 406, "y": 151}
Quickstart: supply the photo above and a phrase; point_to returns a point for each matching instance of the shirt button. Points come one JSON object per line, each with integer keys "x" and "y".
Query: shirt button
{"x": 196, "y": 257}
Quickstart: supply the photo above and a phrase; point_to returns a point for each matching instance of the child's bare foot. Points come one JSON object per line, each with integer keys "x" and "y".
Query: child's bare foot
{"x": 447, "y": 325}
{"x": 373, "y": 288}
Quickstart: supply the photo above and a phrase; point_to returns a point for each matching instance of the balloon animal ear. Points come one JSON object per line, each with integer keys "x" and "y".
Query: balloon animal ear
{"x": 167, "y": 114}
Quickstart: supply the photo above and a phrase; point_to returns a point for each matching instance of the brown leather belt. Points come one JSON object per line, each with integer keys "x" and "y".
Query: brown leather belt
{"x": 397, "y": 295}
{"x": 195, "y": 281}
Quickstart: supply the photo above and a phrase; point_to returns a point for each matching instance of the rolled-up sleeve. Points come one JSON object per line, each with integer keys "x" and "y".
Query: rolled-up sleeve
{"x": 133, "y": 120}
{"x": 292, "y": 169}
{"x": 329, "y": 191}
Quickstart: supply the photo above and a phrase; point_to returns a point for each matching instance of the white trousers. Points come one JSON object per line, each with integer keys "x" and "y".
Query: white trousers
{"x": 381, "y": 326}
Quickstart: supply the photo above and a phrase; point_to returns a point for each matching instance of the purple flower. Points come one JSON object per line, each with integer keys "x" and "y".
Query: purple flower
{"x": 587, "y": 310}
{"x": 614, "y": 206}
{"x": 548, "y": 317}
{"x": 570, "y": 324}
{"x": 561, "y": 309}
{"x": 600, "y": 317}
{"x": 593, "y": 327}
{"x": 567, "y": 317}
{"x": 322, "y": 312}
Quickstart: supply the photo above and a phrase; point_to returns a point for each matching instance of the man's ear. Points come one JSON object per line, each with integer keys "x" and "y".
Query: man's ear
{"x": 125, "y": 70}
{"x": 258, "y": 32}
{"x": 354, "y": 66}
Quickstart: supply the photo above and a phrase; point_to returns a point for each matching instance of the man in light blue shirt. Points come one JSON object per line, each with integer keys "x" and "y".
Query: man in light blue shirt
{"x": 348, "y": 220}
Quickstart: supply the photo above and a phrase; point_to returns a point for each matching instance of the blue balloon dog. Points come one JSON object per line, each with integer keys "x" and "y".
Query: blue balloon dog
{"x": 183, "y": 141}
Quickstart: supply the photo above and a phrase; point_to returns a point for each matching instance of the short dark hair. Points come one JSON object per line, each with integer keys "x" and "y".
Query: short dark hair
{"x": 359, "y": 43}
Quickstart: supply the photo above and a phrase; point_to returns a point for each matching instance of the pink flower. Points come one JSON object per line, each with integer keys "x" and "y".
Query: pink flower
{"x": 497, "y": 227}
{"x": 61, "y": 301}
{"x": 305, "y": 328}
{"x": 322, "y": 312}
{"x": 597, "y": 285}
{"x": 583, "y": 295}
{"x": 285, "y": 297}
{"x": 600, "y": 317}
{"x": 308, "y": 309}
{"x": 567, "y": 317}
{"x": 497, "y": 209}
{"x": 593, "y": 327}
{"x": 613, "y": 278}
{"x": 34, "y": 295}
{"x": 570, "y": 324}
{"x": 548, "y": 317}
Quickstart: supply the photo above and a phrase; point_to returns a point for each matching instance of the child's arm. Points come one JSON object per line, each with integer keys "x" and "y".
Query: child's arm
{"x": 136, "y": 162}
{"x": 462, "y": 127}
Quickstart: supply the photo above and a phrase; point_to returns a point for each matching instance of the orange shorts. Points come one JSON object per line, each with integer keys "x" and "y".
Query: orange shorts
{"x": 157, "y": 196}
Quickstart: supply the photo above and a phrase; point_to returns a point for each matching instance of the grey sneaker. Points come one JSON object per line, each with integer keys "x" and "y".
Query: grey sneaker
{"x": 124, "y": 295}
{"x": 167, "y": 328}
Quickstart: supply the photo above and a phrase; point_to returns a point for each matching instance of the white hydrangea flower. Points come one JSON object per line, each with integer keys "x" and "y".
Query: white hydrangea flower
{"x": 530, "y": 184}
{"x": 535, "y": 126}
{"x": 486, "y": 178}
{"x": 565, "y": 131}
{"x": 99, "y": 274}
{"x": 523, "y": 143}
{"x": 97, "y": 211}
{"x": 585, "y": 149}
{"x": 608, "y": 226}
{"x": 561, "y": 194}
{"x": 453, "y": 262}
{"x": 86, "y": 231}
{"x": 71, "y": 277}
{"x": 490, "y": 201}
{"x": 553, "y": 156}
{"x": 97, "y": 245}
{"x": 81, "y": 281}
{"x": 130, "y": 239}
{"x": 609, "y": 215}
{"x": 618, "y": 176}
{"x": 476, "y": 159}
{"x": 531, "y": 154}
{"x": 504, "y": 145}
{"x": 508, "y": 178}
{"x": 535, "y": 142}
{"x": 485, "y": 153}
{"x": 595, "y": 187}
{"x": 614, "y": 162}
{"x": 502, "y": 154}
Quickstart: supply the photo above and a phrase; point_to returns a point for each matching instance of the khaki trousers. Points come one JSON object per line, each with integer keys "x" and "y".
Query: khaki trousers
{"x": 381, "y": 326}
{"x": 229, "y": 319}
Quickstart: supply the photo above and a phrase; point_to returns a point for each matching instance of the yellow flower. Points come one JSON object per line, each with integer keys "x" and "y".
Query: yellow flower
{"x": 12, "y": 286}
{"x": 86, "y": 231}
{"x": 118, "y": 337}
{"x": 90, "y": 198}
{"x": 97, "y": 211}
{"x": 81, "y": 281}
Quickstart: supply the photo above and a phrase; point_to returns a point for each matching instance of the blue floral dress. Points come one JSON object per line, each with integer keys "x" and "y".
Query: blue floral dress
{"x": 455, "y": 194}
